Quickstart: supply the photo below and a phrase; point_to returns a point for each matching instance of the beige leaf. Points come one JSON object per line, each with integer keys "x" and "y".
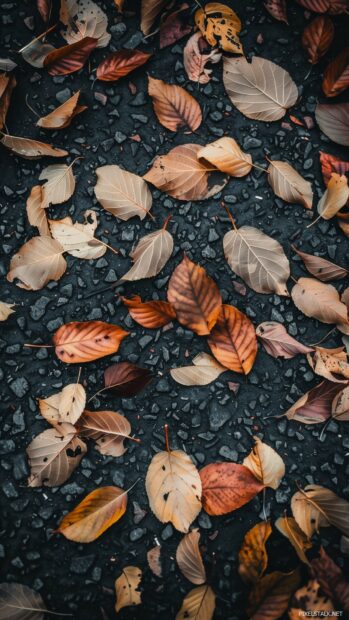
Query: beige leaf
{"x": 126, "y": 587}
{"x": 62, "y": 116}
{"x": 174, "y": 107}
{"x": 59, "y": 186}
{"x": 35, "y": 53}
{"x": 308, "y": 600}
{"x": 227, "y": 156}
{"x": 298, "y": 539}
{"x": 288, "y": 184}
{"x": 5, "y": 310}
{"x": 335, "y": 196}
{"x": 340, "y": 406}
{"x": 49, "y": 408}
{"x": 122, "y": 193}
{"x": 189, "y": 558}
{"x": 199, "y": 604}
{"x": 53, "y": 455}
{"x": 265, "y": 464}
{"x": 261, "y": 89}
{"x": 154, "y": 560}
{"x": 108, "y": 429}
{"x": 174, "y": 488}
{"x": 150, "y": 255}
{"x": 19, "y": 602}
{"x": 319, "y": 301}
{"x": 72, "y": 402}
{"x": 258, "y": 259}
{"x": 36, "y": 263}
{"x": 30, "y": 149}
{"x": 36, "y": 214}
{"x": 316, "y": 507}
{"x": 78, "y": 239}
{"x": 84, "y": 19}
{"x": 205, "y": 369}
{"x": 330, "y": 362}
{"x": 195, "y": 62}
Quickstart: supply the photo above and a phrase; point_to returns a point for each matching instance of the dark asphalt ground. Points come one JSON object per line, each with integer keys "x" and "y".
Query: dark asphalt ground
{"x": 210, "y": 423}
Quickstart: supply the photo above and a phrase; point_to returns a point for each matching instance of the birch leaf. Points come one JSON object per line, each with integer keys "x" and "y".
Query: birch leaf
{"x": 289, "y": 185}
{"x": 122, "y": 193}
{"x": 59, "y": 186}
{"x": 78, "y": 239}
{"x": 108, "y": 429}
{"x": 205, "y": 369}
{"x": 36, "y": 263}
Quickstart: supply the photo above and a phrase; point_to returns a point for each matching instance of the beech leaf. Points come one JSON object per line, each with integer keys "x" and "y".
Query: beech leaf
{"x": 265, "y": 464}
{"x": 122, "y": 193}
{"x": 174, "y": 107}
{"x": 321, "y": 268}
{"x": 227, "y": 156}
{"x": 314, "y": 407}
{"x": 108, "y": 429}
{"x": 70, "y": 58}
{"x": 150, "y": 314}
{"x": 121, "y": 63}
{"x": 319, "y": 301}
{"x": 61, "y": 117}
{"x": 125, "y": 379}
{"x": 37, "y": 262}
{"x": 333, "y": 121}
{"x": 64, "y": 406}
{"x": 150, "y": 255}
{"x": 189, "y": 558}
{"x": 76, "y": 343}
{"x": 335, "y": 196}
{"x": 205, "y": 369}
{"x": 317, "y": 37}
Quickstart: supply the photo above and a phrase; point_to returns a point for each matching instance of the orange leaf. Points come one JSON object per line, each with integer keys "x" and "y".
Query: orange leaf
{"x": 317, "y": 37}
{"x": 174, "y": 107}
{"x": 233, "y": 340}
{"x": 253, "y": 557}
{"x": 76, "y": 343}
{"x": 118, "y": 64}
{"x": 226, "y": 487}
{"x": 69, "y": 58}
{"x": 150, "y": 314}
{"x": 336, "y": 76}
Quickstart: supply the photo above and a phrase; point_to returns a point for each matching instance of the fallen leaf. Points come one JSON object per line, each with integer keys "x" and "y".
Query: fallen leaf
{"x": 258, "y": 259}
{"x": 94, "y": 515}
{"x": 61, "y": 117}
{"x": 226, "y": 155}
{"x": 299, "y": 540}
{"x": 150, "y": 314}
{"x": 340, "y": 406}
{"x": 194, "y": 297}
{"x": 329, "y": 164}
{"x": 5, "y": 310}
{"x": 150, "y": 10}
{"x": 70, "y": 58}
{"x": 344, "y": 545}
{"x": 84, "y": 19}
{"x": 108, "y": 429}
{"x": 253, "y": 557}
{"x": 78, "y": 239}
{"x": 195, "y": 61}
{"x": 174, "y": 107}
{"x": 335, "y": 196}
{"x": 321, "y": 268}
{"x": 174, "y": 26}
{"x": 76, "y": 343}
{"x": 336, "y": 75}
{"x": 278, "y": 343}
{"x": 319, "y": 301}
{"x": 233, "y": 340}
{"x": 150, "y": 255}
{"x": 309, "y": 599}
{"x": 332, "y": 580}
{"x": 64, "y": 406}
{"x": 329, "y": 363}
{"x": 180, "y": 174}
{"x": 35, "y": 53}
{"x": 314, "y": 407}
{"x": 317, "y": 37}
{"x": 265, "y": 464}
{"x": 30, "y": 149}
{"x": 127, "y": 588}
{"x": 318, "y": 6}
{"x": 289, "y": 185}
{"x": 59, "y": 186}
{"x": 44, "y": 7}
{"x": 198, "y": 604}
{"x": 125, "y": 379}
{"x": 7, "y": 84}
{"x": 260, "y": 90}
{"x": 53, "y": 455}
{"x": 315, "y": 507}
{"x": 271, "y": 594}
{"x": 220, "y": 26}
{"x": 277, "y": 9}
{"x": 205, "y": 369}
{"x": 173, "y": 487}
{"x": 189, "y": 558}
{"x": 226, "y": 487}
{"x": 19, "y": 602}
{"x": 121, "y": 63}
{"x": 333, "y": 121}
{"x": 154, "y": 560}
{"x": 122, "y": 193}
{"x": 37, "y": 262}
{"x": 36, "y": 214}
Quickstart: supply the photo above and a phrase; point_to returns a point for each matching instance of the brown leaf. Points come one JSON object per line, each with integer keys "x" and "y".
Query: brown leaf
{"x": 330, "y": 363}
{"x": 317, "y": 37}
{"x": 59, "y": 186}
{"x": 84, "y": 19}
{"x": 289, "y": 185}
{"x": 174, "y": 107}
{"x": 78, "y": 239}
{"x": 44, "y": 7}
{"x": 265, "y": 464}
{"x": 194, "y": 297}
{"x": 189, "y": 558}
{"x": 340, "y": 406}
{"x": 330, "y": 163}
{"x": 150, "y": 314}
{"x": 314, "y": 407}
{"x": 205, "y": 369}
{"x": 61, "y": 117}
{"x": 253, "y": 557}
{"x": 319, "y": 301}
{"x": 126, "y": 380}
{"x": 308, "y": 599}
{"x": 318, "y": 6}
{"x": 333, "y": 121}
{"x": 121, "y": 63}
{"x": 76, "y": 343}
{"x": 335, "y": 196}
{"x": 154, "y": 560}
{"x": 36, "y": 263}
{"x": 122, "y": 193}
{"x": 36, "y": 214}
{"x": 19, "y": 602}
{"x": 126, "y": 588}
{"x": 233, "y": 340}
{"x": 332, "y": 580}
{"x": 150, "y": 255}
{"x": 336, "y": 75}
{"x": 7, "y": 84}
{"x": 219, "y": 25}
{"x": 226, "y": 487}
{"x": 198, "y": 604}
{"x": 277, "y": 9}
{"x": 195, "y": 61}
{"x": 175, "y": 26}
{"x": 150, "y": 9}
{"x": 94, "y": 515}
{"x": 321, "y": 268}
{"x": 270, "y": 596}
{"x": 300, "y": 542}
{"x": 64, "y": 406}
{"x": 278, "y": 343}
{"x": 69, "y": 58}
{"x": 30, "y": 149}
{"x": 108, "y": 429}
{"x": 315, "y": 507}
{"x": 226, "y": 155}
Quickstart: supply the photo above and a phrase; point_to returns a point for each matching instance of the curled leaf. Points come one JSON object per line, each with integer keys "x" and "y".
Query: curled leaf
{"x": 219, "y": 25}
{"x": 78, "y": 239}
{"x": 64, "y": 406}
{"x": 189, "y": 558}
{"x": 315, "y": 507}
{"x": 340, "y": 406}
{"x": 30, "y": 149}
{"x": 70, "y": 58}
{"x": 253, "y": 557}
{"x": 5, "y": 310}
{"x": 288, "y": 184}
{"x": 195, "y": 60}
{"x": 126, "y": 379}
{"x": 36, "y": 263}
{"x": 36, "y": 214}
{"x": 278, "y": 343}
{"x": 330, "y": 363}
{"x": 205, "y": 369}
{"x": 299, "y": 540}
{"x": 150, "y": 255}
{"x": 227, "y": 156}
{"x": 319, "y": 301}
{"x": 61, "y": 117}
{"x": 314, "y": 407}
{"x": 150, "y": 314}
{"x": 84, "y": 19}
{"x": 335, "y": 196}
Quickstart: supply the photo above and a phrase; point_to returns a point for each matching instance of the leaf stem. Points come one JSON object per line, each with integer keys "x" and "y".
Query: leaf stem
{"x": 230, "y": 217}
{"x": 167, "y": 441}
{"x": 314, "y": 222}
{"x": 108, "y": 246}
{"x": 39, "y": 346}
{"x": 29, "y": 106}
{"x": 260, "y": 168}
{"x": 164, "y": 226}
{"x": 315, "y": 344}
{"x": 41, "y": 36}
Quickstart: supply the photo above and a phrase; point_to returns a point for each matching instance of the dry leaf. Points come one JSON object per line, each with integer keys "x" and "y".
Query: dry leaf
{"x": 53, "y": 455}
{"x": 330, "y": 163}
{"x": 205, "y": 369}
{"x": 44, "y": 7}
{"x": 308, "y": 599}
{"x": 314, "y": 407}
{"x": 94, "y": 515}
{"x": 332, "y": 581}
{"x": 121, "y": 63}
{"x": 226, "y": 487}
{"x": 330, "y": 363}
{"x": 340, "y": 406}
{"x": 195, "y": 61}
{"x": 70, "y": 58}
{"x": 321, "y": 268}
{"x": 36, "y": 214}
{"x": 278, "y": 343}
{"x": 194, "y": 297}
{"x": 233, "y": 340}
{"x": 150, "y": 9}
{"x": 150, "y": 255}
{"x": 317, "y": 37}
{"x": 198, "y": 604}
{"x": 59, "y": 186}
{"x": 288, "y": 184}
{"x": 126, "y": 379}
{"x": 271, "y": 594}
{"x": 300, "y": 542}
{"x": 108, "y": 429}
{"x": 319, "y": 301}
{"x": 30, "y": 149}
{"x": 227, "y": 156}
{"x": 189, "y": 558}
{"x": 253, "y": 557}
{"x": 6, "y": 310}
{"x": 78, "y": 239}
{"x": 64, "y": 406}
{"x": 122, "y": 193}
{"x": 61, "y": 117}
{"x": 174, "y": 488}
{"x": 154, "y": 560}
{"x": 181, "y": 175}
{"x": 18, "y": 602}
{"x": 76, "y": 343}
{"x": 315, "y": 507}
{"x": 333, "y": 121}
{"x": 265, "y": 464}
{"x": 36, "y": 263}
{"x": 7, "y": 84}
{"x": 84, "y": 18}
{"x": 258, "y": 259}
{"x": 336, "y": 75}
{"x": 150, "y": 314}
{"x": 335, "y": 196}
{"x": 175, "y": 26}
{"x": 174, "y": 107}
{"x": 35, "y": 53}
{"x": 260, "y": 90}
{"x": 126, "y": 588}
{"x": 277, "y": 9}
{"x": 219, "y": 25}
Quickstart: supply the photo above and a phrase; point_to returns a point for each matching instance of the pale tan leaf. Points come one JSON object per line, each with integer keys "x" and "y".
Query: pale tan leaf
{"x": 258, "y": 259}
{"x": 289, "y": 185}
{"x": 78, "y": 239}
{"x": 340, "y": 406}
{"x": 30, "y": 149}
{"x": 227, "y": 156}
{"x": 265, "y": 464}
{"x": 308, "y": 600}
{"x": 330, "y": 363}
{"x": 195, "y": 62}
{"x": 199, "y": 604}
{"x": 49, "y": 408}
{"x": 36, "y": 214}
{"x": 278, "y": 343}
{"x": 173, "y": 486}
{"x": 35, "y": 53}
{"x": 321, "y": 268}
{"x": 189, "y": 558}
{"x": 335, "y": 196}
{"x": 333, "y": 121}
{"x": 84, "y": 18}
{"x": 59, "y": 186}
{"x": 72, "y": 402}
{"x": 260, "y": 90}
{"x": 316, "y": 507}
{"x": 154, "y": 560}
{"x": 122, "y": 193}
{"x": 205, "y": 369}
{"x": 18, "y": 602}
{"x": 299, "y": 540}
{"x": 5, "y": 310}
{"x": 62, "y": 116}
{"x": 108, "y": 429}
{"x": 150, "y": 255}
{"x": 174, "y": 107}
{"x": 36, "y": 263}
{"x": 319, "y": 301}
{"x": 127, "y": 587}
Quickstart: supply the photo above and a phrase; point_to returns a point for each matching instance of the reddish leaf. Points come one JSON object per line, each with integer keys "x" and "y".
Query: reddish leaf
{"x": 332, "y": 580}
{"x": 150, "y": 314}
{"x": 315, "y": 406}
{"x": 70, "y": 58}
{"x": 278, "y": 343}
{"x": 126, "y": 379}
{"x": 336, "y": 76}
{"x": 233, "y": 340}
{"x": 44, "y": 7}
{"x": 317, "y": 37}
{"x": 118, "y": 64}
{"x": 7, "y": 84}
{"x": 318, "y": 6}
{"x": 330, "y": 164}
{"x": 87, "y": 341}
{"x": 277, "y": 9}
{"x": 226, "y": 487}
{"x": 175, "y": 26}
